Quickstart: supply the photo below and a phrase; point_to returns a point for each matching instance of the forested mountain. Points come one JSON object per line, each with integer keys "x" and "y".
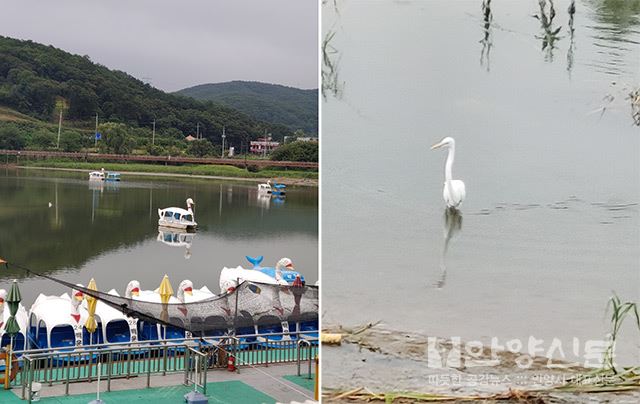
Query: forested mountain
{"x": 39, "y": 80}
{"x": 293, "y": 107}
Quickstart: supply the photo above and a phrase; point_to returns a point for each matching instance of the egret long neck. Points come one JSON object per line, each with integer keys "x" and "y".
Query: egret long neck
{"x": 449, "y": 163}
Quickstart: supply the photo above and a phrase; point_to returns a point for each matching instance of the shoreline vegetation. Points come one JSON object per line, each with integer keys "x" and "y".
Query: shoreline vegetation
{"x": 400, "y": 369}
{"x": 482, "y": 374}
{"x": 205, "y": 171}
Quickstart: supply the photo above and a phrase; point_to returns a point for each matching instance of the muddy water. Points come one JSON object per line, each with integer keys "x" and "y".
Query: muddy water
{"x": 547, "y": 147}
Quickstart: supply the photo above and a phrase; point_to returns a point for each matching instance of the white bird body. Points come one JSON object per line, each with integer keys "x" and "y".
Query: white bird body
{"x": 453, "y": 191}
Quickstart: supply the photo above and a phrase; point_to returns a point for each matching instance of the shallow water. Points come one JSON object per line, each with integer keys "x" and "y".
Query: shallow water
{"x": 109, "y": 231}
{"x": 546, "y": 145}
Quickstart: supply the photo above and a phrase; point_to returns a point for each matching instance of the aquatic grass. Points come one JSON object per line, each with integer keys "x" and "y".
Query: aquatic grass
{"x": 609, "y": 378}
{"x": 486, "y": 41}
{"x": 619, "y": 312}
{"x": 330, "y": 59}
{"x": 550, "y": 34}
{"x": 634, "y": 96}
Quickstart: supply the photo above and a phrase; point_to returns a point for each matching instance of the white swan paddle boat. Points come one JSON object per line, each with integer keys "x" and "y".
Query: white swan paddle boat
{"x": 150, "y": 331}
{"x": 265, "y": 188}
{"x": 113, "y": 325}
{"x": 22, "y": 318}
{"x": 279, "y": 190}
{"x": 58, "y": 321}
{"x": 177, "y": 217}
{"x": 103, "y": 175}
{"x": 282, "y": 274}
{"x": 96, "y": 176}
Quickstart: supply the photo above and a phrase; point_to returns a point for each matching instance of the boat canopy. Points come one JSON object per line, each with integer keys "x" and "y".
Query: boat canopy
{"x": 176, "y": 214}
{"x": 106, "y": 314}
{"x": 258, "y": 300}
{"x": 55, "y": 311}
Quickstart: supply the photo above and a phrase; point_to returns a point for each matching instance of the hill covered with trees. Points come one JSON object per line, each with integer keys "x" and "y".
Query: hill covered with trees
{"x": 39, "y": 81}
{"x": 295, "y": 108}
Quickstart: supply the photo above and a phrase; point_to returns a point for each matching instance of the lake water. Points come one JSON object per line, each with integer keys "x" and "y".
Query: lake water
{"x": 545, "y": 142}
{"x": 109, "y": 231}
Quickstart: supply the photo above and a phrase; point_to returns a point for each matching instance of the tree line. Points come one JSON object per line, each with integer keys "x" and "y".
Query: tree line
{"x": 41, "y": 81}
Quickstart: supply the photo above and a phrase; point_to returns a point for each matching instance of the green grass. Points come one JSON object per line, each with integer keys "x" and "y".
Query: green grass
{"x": 204, "y": 169}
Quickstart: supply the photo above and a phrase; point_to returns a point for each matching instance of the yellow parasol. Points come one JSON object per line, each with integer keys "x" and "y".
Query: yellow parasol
{"x": 166, "y": 291}
{"x": 91, "y": 323}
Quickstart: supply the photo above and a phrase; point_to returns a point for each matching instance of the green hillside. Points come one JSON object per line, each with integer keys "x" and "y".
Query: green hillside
{"x": 292, "y": 107}
{"x": 38, "y": 81}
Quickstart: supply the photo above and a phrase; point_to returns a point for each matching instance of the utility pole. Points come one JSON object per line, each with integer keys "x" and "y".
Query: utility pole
{"x": 153, "y": 134}
{"x": 95, "y": 135}
{"x": 198, "y": 131}
{"x": 59, "y": 129}
{"x": 223, "y": 137}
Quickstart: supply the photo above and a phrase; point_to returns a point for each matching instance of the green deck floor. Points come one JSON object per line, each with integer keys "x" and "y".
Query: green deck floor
{"x": 173, "y": 364}
{"x": 218, "y": 392}
{"x": 302, "y": 380}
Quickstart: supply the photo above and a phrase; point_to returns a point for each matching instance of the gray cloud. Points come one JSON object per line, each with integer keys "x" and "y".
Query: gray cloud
{"x": 177, "y": 44}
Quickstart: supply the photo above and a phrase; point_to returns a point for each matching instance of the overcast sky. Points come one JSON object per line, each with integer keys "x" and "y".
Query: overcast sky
{"x": 180, "y": 43}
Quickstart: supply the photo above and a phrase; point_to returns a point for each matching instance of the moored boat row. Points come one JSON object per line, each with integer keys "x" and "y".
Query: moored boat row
{"x": 61, "y": 321}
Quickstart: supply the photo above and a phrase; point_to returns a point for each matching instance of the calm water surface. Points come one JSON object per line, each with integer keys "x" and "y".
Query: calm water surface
{"x": 546, "y": 145}
{"x": 109, "y": 231}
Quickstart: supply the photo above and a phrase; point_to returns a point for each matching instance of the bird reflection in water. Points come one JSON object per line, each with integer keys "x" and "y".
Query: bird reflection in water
{"x": 452, "y": 225}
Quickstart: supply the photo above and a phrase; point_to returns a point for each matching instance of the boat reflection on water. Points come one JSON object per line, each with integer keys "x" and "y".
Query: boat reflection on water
{"x": 176, "y": 238}
{"x": 97, "y": 188}
{"x": 102, "y": 185}
{"x": 264, "y": 200}
{"x": 452, "y": 225}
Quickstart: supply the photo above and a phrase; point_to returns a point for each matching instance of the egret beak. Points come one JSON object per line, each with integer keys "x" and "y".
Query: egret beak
{"x": 437, "y": 145}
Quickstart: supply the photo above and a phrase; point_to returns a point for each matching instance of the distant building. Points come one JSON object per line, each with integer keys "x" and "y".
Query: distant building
{"x": 190, "y": 138}
{"x": 263, "y": 145}
{"x": 307, "y": 139}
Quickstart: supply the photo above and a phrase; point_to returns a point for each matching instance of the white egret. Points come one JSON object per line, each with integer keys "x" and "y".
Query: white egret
{"x": 454, "y": 190}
